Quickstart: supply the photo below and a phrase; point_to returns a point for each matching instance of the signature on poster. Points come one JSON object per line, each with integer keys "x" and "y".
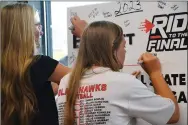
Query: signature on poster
{"x": 73, "y": 13}
{"x": 72, "y": 58}
{"x": 126, "y": 23}
{"x": 93, "y": 13}
{"x": 175, "y": 7}
{"x": 126, "y": 7}
{"x": 161, "y": 4}
{"x": 107, "y": 14}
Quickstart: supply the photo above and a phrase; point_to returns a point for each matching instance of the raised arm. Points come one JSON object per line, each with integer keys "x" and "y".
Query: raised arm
{"x": 152, "y": 66}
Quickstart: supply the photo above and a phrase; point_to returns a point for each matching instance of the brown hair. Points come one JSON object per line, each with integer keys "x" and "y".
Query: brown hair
{"x": 98, "y": 43}
{"x": 17, "y": 48}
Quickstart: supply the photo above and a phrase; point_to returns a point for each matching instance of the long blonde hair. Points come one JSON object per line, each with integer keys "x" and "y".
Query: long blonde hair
{"x": 98, "y": 43}
{"x": 17, "y": 48}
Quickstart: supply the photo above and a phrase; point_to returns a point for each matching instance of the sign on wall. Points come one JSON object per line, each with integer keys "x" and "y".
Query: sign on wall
{"x": 157, "y": 27}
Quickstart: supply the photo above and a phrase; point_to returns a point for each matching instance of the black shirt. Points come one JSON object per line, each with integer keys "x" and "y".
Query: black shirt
{"x": 40, "y": 72}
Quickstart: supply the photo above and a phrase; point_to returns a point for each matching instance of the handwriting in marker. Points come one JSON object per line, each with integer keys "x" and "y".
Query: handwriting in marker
{"x": 126, "y": 23}
{"x": 161, "y": 4}
{"x": 174, "y": 7}
{"x": 73, "y": 13}
{"x": 72, "y": 58}
{"x": 93, "y": 13}
{"x": 107, "y": 14}
{"x": 128, "y": 7}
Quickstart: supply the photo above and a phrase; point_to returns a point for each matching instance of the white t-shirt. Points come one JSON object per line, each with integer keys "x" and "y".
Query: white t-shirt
{"x": 114, "y": 98}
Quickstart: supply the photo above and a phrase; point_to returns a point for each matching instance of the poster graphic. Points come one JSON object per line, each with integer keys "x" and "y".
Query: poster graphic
{"x": 162, "y": 30}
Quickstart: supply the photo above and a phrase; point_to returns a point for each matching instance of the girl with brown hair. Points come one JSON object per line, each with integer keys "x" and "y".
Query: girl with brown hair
{"x": 95, "y": 92}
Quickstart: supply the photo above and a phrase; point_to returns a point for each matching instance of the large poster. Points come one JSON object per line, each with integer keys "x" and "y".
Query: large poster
{"x": 157, "y": 27}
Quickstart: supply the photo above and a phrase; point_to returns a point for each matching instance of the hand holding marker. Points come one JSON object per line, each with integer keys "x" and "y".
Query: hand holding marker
{"x": 77, "y": 26}
{"x": 151, "y": 65}
{"x": 71, "y": 28}
{"x": 141, "y": 61}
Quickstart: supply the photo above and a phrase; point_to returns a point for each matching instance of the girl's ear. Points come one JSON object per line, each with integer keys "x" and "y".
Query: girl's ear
{"x": 117, "y": 59}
